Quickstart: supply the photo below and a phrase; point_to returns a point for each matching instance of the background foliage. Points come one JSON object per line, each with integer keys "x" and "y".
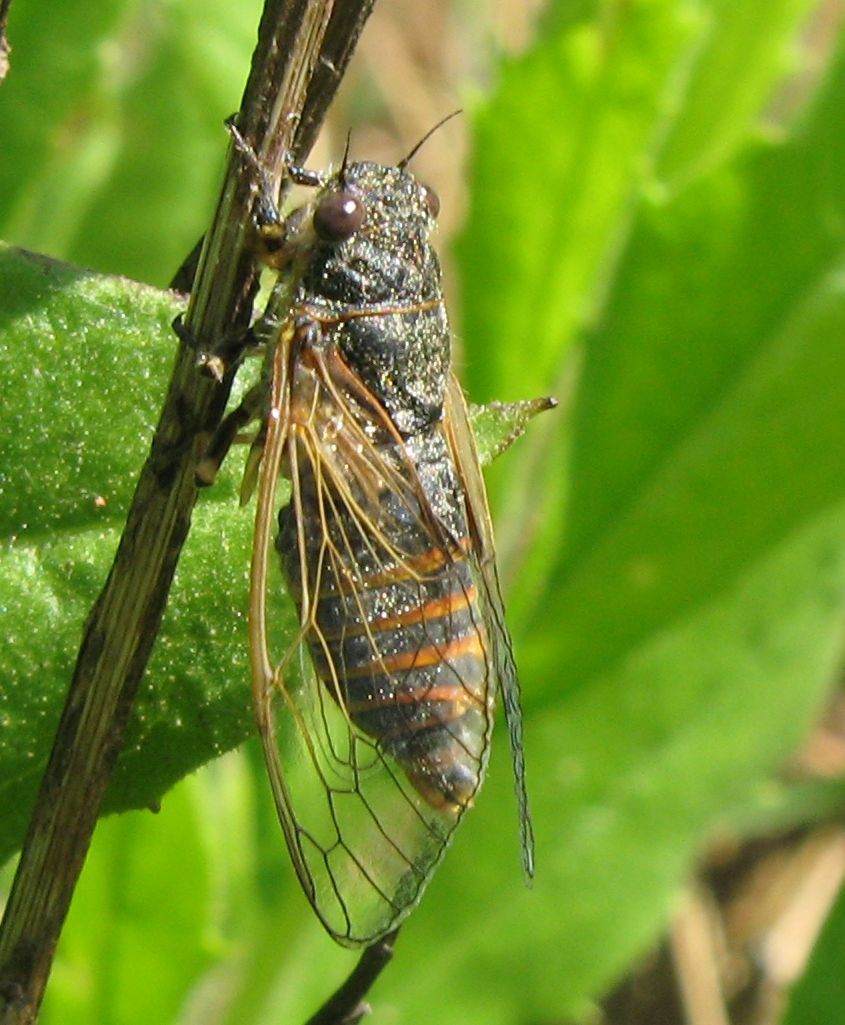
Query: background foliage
{"x": 655, "y": 233}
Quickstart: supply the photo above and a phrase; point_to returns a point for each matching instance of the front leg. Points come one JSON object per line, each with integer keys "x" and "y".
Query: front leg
{"x": 230, "y": 432}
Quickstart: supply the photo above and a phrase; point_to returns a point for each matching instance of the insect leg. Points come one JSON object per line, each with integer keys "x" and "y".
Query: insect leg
{"x": 304, "y": 176}
{"x": 227, "y": 434}
{"x": 274, "y": 234}
{"x": 224, "y": 356}
{"x": 267, "y": 214}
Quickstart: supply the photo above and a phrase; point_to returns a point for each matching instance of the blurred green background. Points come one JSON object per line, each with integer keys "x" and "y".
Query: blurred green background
{"x": 644, "y": 214}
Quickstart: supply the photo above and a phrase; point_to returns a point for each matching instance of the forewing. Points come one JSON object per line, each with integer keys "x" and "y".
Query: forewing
{"x": 462, "y": 444}
{"x": 362, "y": 838}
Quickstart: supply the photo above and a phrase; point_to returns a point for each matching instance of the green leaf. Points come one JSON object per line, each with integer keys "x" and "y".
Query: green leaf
{"x": 498, "y": 425}
{"x": 84, "y": 361}
{"x": 704, "y": 430}
{"x": 735, "y": 73}
{"x": 548, "y": 205}
{"x": 820, "y": 994}
{"x": 111, "y": 966}
{"x": 113, "y": 127}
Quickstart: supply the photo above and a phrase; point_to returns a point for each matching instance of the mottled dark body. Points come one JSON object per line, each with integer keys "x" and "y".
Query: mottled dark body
{"x": 403, "y": 358}
{"x": 397, "y": 638}
{"x": 387, "y": 548}
{"x": 400, "y": 642}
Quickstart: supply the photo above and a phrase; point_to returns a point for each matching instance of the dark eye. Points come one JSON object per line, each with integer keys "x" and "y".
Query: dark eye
{"x": 432, "y": 200}
{"x": 338, "y": 216}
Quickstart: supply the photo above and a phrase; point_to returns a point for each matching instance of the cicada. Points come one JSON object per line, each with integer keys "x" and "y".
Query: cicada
{"x": 376, "y": 723}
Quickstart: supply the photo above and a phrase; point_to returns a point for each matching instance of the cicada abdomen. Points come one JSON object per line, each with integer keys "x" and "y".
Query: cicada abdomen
{"x": 378, "y": 747}
{"x": 396, "y": 633}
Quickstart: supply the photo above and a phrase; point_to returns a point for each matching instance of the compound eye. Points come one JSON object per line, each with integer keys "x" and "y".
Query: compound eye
{"x": 432, "y": 200}
{"x": 338, "y": 216}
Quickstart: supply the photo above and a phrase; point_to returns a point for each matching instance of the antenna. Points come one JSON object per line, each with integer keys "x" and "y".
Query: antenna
{"x": 406, "y": 160}
{"x": 345, "y": 162}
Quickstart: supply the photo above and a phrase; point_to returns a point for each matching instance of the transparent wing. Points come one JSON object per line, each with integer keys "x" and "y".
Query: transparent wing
{"x": 462, "y": 444}
{"x": 376, "y": 725}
